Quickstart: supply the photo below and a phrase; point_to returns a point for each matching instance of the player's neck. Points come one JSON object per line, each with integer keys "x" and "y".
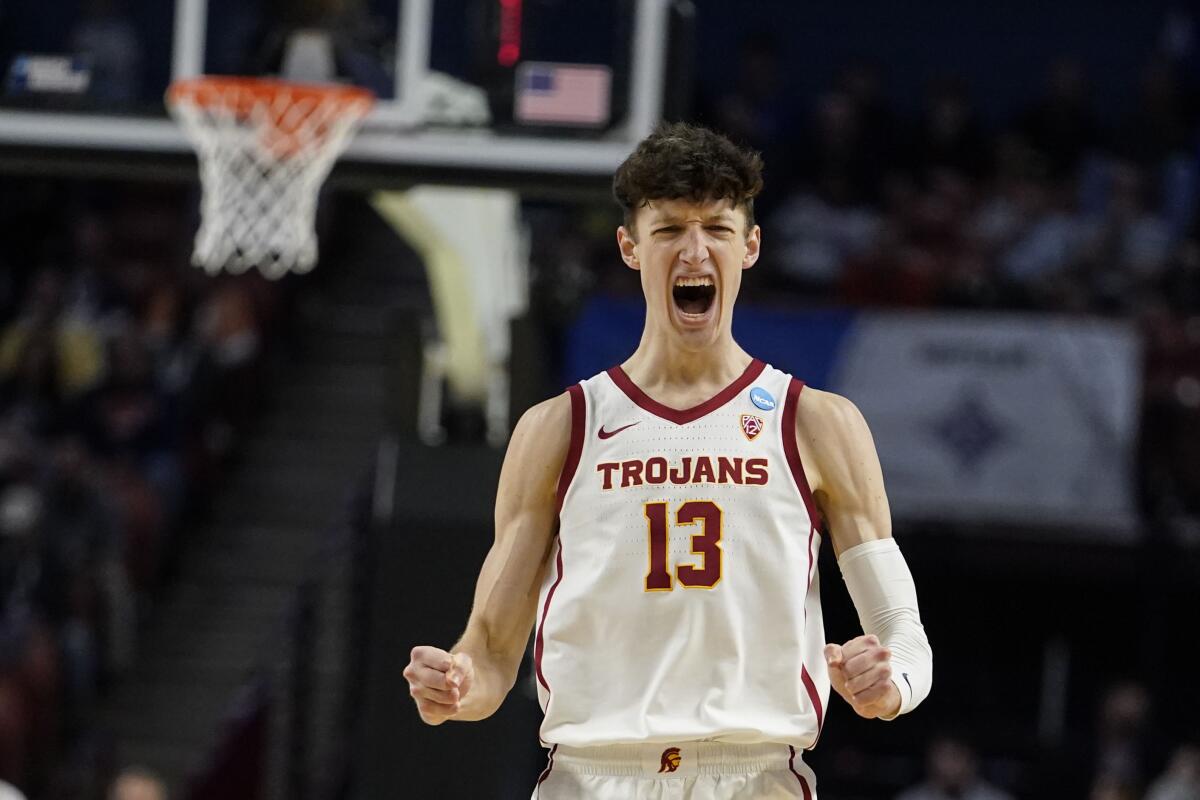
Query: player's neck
{"x": 677, "y": 377}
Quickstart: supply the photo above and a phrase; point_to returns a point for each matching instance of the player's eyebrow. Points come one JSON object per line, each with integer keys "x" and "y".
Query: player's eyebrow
{"x": 672, "y": 219}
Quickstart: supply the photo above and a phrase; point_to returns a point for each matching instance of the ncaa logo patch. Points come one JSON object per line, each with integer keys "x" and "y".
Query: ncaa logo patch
{"x": 762, "y": 399}
{"x": 751, "y": 426}
{"x": 670, "y": 760}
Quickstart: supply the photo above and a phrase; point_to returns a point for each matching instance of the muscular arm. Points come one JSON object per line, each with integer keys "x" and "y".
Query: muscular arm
{"x": 848, "y": 481}
{"x": 506, "y": 592}
{"x": 888, "y": 670}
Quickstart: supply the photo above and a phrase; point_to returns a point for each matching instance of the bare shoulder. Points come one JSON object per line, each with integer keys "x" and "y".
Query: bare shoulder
{"x": 540, "y": 441}
{"x": 818, "y": 408}
{"x": 547, "y": 421}
{"x": 825, "y": 420}
{"x": 834, "y": 440}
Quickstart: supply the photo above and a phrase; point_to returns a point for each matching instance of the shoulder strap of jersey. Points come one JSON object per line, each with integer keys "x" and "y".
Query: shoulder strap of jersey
{"x": 575, "y": 449}
{"x": 791, "y": 449}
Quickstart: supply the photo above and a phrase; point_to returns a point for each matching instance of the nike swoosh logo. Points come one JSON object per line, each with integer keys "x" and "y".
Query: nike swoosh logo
{"x": 906, "y": 680}
{"x": 603, "y": 434}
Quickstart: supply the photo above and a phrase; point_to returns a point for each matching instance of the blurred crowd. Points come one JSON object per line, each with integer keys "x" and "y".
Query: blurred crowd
{"x": 1125, "y": 759}
{"x": 1048, "y": 211}
{"x": 126, "y": 377}
{"x": 1052, "y": 210}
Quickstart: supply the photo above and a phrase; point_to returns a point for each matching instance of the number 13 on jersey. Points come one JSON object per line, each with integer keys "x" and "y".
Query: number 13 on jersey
{"x": 706, "y": 543}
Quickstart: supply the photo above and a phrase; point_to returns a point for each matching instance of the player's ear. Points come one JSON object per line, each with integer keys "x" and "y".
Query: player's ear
{"x": 753, "y": 243}
{"x": 628, "y": 247}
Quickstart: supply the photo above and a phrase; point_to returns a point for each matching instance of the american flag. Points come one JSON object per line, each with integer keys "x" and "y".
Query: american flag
{"x": 563, "y": 94}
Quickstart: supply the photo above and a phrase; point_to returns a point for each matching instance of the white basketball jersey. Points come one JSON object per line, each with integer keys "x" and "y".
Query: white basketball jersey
{"x": 682, "y": 601}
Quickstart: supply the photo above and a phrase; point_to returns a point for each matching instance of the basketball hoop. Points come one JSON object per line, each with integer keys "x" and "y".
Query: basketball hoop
{"x": 265, "y": 147}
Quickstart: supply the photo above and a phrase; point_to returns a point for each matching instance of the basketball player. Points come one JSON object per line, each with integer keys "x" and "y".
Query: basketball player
{"x": 661, "y": 521}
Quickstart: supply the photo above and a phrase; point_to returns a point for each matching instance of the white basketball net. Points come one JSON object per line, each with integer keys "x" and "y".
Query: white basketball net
{"x": 263, "y": 153}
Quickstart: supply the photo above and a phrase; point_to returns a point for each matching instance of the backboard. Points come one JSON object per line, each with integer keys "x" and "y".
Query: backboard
{"x": 457, "y": 81}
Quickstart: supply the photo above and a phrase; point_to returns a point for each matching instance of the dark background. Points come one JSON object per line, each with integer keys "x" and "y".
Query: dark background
{"x": 1010, "y": 609}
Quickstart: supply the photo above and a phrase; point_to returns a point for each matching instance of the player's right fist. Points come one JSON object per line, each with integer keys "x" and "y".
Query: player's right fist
{"x": 438, "y": 682}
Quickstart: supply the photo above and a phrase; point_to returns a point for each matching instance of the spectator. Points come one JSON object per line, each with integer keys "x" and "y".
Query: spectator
{"x": 1181, "y": 781}
{"x": 836, "y": 161}
{"x": 227, "y": 327}
{"x": 921, "y": 256}
{"x": 19, "y": 573}
{"x": 111, "y": 374}
{"x": 1044, "y": 241}
{"x": 90, "y": 295}
{"x": 950, "y": 135}
{"x": 883, "y": 131}
{"x": 753, "y": 111}
{"x": 1170, "y": 446}
{"x": 1164, "y": 123}
{"x": 82, "y": 545}
{"x": 127, "y": 418}
{"x": 756, "y": 113}
{"x": 1127, "y": 750}
{"x": 137, "y": 783}
{"x": 1127, "y": 249}
{"x": 952, "y": 774}
{"x": 816, "y": 239}
{"x": 1112, "y": 788}
{"x": 47, "y": 361}
{"x": 1061, "y": 125}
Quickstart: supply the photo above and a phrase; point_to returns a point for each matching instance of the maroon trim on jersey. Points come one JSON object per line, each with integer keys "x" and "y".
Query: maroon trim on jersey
{"x": 546, "y": 772}
{"x": 537, "y": 645}
{"x": 809, "y": 685}
{"x": 626, "y": 385}
{"x": 812, "y": 531}
{"x": 578, "y": 420}
{"x": 803, "y": 783}
{"x": 815, "y": 697}
{"x": 792, "y": 451}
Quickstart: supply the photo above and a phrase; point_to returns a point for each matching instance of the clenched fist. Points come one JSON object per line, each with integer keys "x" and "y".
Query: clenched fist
{"x": 439, "y": 682}
{"x": 861, "y": 672}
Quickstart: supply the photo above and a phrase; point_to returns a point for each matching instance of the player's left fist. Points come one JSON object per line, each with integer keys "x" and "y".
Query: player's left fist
{"x": 861, "y": 672}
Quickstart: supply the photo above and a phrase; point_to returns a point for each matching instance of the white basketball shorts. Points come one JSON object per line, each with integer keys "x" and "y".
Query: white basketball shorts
{"x": 683, "y": 771}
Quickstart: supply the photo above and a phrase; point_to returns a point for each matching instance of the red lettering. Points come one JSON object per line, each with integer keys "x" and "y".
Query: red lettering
{"x": 608, "y": 467}
{"x": 706, "y": 544}
{"x": 682, "y": 474}
{"x": 656, "y": 470}
{"x": 756, "y": 472}
{"x": 658, "y": 579}
{"x": 729, "y": 470}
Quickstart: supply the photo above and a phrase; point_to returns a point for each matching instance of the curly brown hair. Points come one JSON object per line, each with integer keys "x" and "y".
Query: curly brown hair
{"x": 688, "y": 162}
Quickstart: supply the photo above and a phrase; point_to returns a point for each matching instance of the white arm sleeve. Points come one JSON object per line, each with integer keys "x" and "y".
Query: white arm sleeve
{"x": 885, "y": 598}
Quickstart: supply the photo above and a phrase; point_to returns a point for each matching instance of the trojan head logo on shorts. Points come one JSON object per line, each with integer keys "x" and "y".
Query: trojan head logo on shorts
{"x": 670, "y": 760}
{"x": 751, "y": 426}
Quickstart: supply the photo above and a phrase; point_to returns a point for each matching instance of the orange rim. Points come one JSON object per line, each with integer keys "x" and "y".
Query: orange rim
{"x": 281, "y": 129}
{"x": 247, "y": 93}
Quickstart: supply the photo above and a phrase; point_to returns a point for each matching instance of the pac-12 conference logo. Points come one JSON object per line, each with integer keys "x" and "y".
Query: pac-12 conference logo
{"x": 762, "y": 399}
{"x": 751, "y": 426}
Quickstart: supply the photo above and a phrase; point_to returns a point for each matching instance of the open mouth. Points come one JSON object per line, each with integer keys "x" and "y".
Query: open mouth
{"x": 694, "y": 295}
